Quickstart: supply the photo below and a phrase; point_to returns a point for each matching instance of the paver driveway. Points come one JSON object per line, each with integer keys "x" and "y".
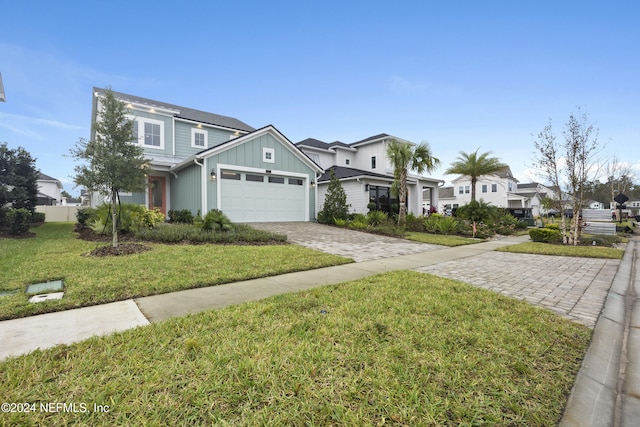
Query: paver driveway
{"x": 572, "y": 287}
{"x": 356, "y": 245}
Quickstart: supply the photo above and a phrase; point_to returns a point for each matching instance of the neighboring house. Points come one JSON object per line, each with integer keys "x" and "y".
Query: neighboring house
{"x": 366, "y": 174}
{"x": 501, "y": 189}
{"x": 202, "y": 161}
{"x": 594, "y": 204}
{"x": 49, "y": 190}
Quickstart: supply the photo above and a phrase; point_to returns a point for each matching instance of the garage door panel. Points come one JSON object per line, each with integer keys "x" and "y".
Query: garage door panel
{"x": 247, "y": 201}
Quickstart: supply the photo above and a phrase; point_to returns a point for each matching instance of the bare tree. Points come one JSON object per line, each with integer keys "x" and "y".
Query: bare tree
{"x": 578, "y": 152}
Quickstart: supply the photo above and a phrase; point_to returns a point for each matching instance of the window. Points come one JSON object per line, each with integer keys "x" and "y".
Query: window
{"x": 494, "y": 188}
{"x": 373, "y": 162}
{"x": 346, "y": 162}
{"x": 461, "y": 190}
{"x": 254, "y": 178}
{"x": 484, "y": 188}
{"x": 314, "y": 156}
{"x": 268, "y": 155}
{"x": 510, "y": 186}
{"x": 230, "y": 175}
{"x": 276, "y": 180}
{"x": 466, "y": 189}
{"x": 148, "y": 132}
{"x": 295, "y": 181}
{"x": 198, "y": 138}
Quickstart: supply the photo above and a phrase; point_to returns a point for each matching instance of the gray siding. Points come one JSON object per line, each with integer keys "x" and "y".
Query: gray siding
{"x": 168, "y": 132}
{"x": 183, "y": 138}
{"x": 185, "y": 189}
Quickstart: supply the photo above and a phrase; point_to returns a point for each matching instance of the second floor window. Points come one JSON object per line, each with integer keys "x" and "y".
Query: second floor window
{"x": 494, "y": 188}
{"x": 461, "y": 190}
{"x": 149, "y": 132}
{"x": 466, "y": 189}
{"x": 484, "y": 188}
{"x": 373, "y": 162}
{"x": 198, "y": 138}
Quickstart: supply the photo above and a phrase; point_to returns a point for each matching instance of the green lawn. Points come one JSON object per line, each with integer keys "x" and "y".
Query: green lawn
{"x": 403, "y": 348}
{"x": 441, "y": 239}
{"x": 564, "y": 250}
{"x": 55, "y": 253}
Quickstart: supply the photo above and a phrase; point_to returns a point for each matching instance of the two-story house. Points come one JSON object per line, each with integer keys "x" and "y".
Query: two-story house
{"x": 500, "y": 189}
{"x": 366, "y": 174}
{"x": 202, "y": 161}
{"x": 49, "y": 190}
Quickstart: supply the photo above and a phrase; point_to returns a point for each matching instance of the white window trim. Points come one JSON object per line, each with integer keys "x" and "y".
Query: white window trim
{"x": 141, "y": 121}
{"x": 266, "y": 151}
{"x": 193, "y": 138}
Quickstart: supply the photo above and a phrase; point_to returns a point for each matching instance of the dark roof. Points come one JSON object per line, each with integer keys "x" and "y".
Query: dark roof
{"x": 343, "y": 172}
{"x": 371, "y": 138}
{"x": 312, "y": 142}
{"x": 445, "y": 192}
{"x": 184, "y": 112}
{"x": 505, "y": 173}
{"x": 44, "y": 177}
{"x": 528, "y": 185}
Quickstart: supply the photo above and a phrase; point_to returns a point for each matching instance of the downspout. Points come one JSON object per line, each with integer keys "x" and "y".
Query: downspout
{"x": 203, "y": 184}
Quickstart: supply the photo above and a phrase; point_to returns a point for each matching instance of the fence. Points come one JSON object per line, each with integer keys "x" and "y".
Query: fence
{"x": 58, "y": 213}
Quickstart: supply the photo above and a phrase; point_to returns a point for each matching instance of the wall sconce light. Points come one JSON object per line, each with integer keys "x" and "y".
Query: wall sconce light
{"x": 313, "y": 184}
{"x": 212, "y": 176}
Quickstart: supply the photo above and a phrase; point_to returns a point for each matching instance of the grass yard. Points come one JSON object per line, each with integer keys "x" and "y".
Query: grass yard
{"x": 55, "y": 253}
{"x": 441, "y": 239}
{"x": 564, "y": 250}
{"x": 402, "y": 348}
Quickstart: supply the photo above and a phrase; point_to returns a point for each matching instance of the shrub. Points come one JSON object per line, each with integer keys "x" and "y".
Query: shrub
{"x": 545, "y": 235}
{"x": 152, "y": 217}
{"x": 18, "y": 220}
{"x": 414, "y": 223}
{"x": 176, "y": 233}
{"x": 83, "y": 215}
{"x": 372, "y": 206}
{"x": 340, "y": 222}
{"x": 37, "y": 217}
{"x": 601, "y": 240}
{"x": 522, "y": 225}
{"x": 376, "y": 217}
{"x": 335, "y": 202}
{"x": 216, "y": 220}
{"x": 183, "y": 216}
{"x": 439, "y": 224}
{"x": 552, "y": 227}
{"x": 3, "y": 216}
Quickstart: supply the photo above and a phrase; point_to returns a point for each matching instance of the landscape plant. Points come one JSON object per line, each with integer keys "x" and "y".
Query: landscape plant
{"x": 335, "y": 202}
{"x": 405, "y": 157}
{"x": 474, "y": 166}
{"x": 113, "y": 160}
{"x": 476, "y": 211}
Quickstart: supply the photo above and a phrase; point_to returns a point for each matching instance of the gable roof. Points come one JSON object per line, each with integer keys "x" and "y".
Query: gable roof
{"x": 47, "y": 178}
{"x": 316, "y": 143}
{"x": 270, "y": 129}
{"x": 182, "y": 112}
{"x": 371, "y": 139}
{"x": 445, "y": 192}
{"x": 342, "y": 172}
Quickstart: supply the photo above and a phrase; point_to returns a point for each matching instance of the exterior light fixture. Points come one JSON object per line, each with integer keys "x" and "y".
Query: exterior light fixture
{"x": 212, "y": 176}
{"x": 313, "y": 184}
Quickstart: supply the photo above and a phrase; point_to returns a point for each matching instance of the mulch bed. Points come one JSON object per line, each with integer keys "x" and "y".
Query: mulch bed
{"x": 122, "y": 249}
{"x": 128, "y": 248}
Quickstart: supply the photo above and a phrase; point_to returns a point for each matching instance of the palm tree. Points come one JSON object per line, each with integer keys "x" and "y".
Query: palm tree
{"x": 474, "y": 166}
{"x": 405, "y": 157}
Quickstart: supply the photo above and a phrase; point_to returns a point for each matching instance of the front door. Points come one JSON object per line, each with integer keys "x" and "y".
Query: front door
{"x": 158, "y": 193}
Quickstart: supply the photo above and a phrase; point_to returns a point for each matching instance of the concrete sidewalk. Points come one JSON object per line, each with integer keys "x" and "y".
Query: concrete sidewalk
{"x": 607, "y": 388}
{"x": 21, "y": 336}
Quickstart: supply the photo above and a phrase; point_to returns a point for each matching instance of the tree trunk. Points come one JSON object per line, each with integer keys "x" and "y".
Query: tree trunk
{"x": 402, "y": 196}
{"x": 473, "y": 188}
{"x": 114, "y": 219}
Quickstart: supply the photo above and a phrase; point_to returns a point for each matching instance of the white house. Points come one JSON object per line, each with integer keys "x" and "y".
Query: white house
{"x": 500, "y": 189}
{"x": 366, "y": 174}
{"x": 49, "y": 190}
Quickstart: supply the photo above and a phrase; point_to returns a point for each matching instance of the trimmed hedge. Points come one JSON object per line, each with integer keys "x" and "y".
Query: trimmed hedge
{"x": 545, "y": 235}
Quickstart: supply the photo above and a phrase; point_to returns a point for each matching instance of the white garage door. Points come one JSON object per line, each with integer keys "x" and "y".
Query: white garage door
{"x": 252, "y": 197}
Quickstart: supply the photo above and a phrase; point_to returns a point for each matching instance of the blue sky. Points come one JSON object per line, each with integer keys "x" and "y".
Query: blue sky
{"x": 461, "y": 75}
